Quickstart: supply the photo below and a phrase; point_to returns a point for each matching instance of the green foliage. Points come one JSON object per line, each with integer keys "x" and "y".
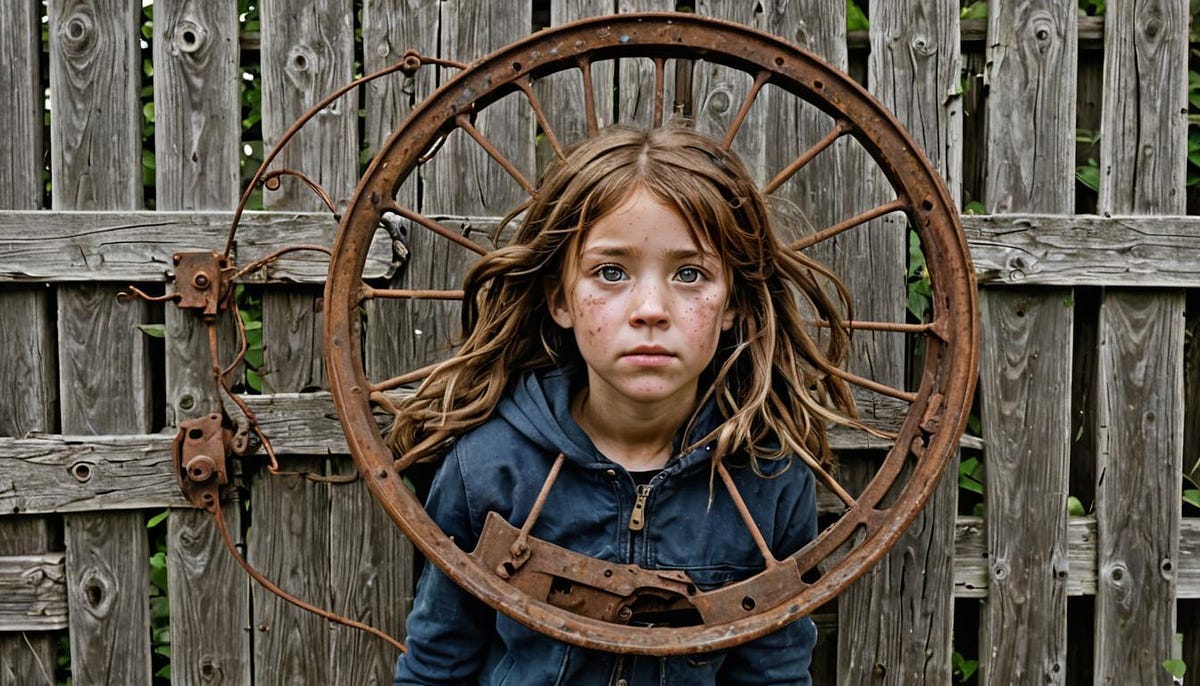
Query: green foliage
{"x": 160, "y": 610}
{"x": 920, "y": 290}
{"x": 856, "y": 19}
{"x": 970, "y": 475}
{"x": 964, "y": 669}
{"x": 974, "y": 10}
{"x": 1175, "y": 666}
{"x": 250, "y": 308}
{"x": 1091, "y": 8}
{"x": 1075, "y": 507}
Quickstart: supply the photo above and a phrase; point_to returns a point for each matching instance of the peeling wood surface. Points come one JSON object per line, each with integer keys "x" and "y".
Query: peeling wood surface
{"x": 137, "y": 246}
{"x": 33, "y": 592}
{"x": 1085, "y": 250}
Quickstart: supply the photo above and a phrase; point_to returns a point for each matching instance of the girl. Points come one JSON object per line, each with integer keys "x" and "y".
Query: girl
{"x": 646, "y": 324}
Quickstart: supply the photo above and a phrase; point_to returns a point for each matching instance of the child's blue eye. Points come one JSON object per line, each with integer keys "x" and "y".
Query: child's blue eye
{"x": 611, "y": 273}
{"x": 688, "y": 275}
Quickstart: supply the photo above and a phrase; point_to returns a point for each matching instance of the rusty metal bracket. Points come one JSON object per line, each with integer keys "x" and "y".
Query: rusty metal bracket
{"x": 200, "y": 459}
{"x": 201, "y": 281}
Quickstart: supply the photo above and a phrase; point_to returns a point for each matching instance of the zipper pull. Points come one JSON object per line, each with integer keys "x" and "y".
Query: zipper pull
{"x": 637, "y": 518}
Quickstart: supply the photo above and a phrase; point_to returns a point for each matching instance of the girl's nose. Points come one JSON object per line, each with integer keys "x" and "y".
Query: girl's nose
{"x": 649, "y": 307}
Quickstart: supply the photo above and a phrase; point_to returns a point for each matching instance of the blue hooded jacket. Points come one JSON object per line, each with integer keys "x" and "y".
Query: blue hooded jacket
{"x": 453, "y": 638}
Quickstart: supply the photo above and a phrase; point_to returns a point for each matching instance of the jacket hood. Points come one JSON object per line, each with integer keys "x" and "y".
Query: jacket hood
{"x": 539, "y": 407}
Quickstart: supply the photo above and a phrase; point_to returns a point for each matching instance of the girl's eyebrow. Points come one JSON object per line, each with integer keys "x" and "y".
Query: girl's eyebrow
{"x": 679, "y": 254}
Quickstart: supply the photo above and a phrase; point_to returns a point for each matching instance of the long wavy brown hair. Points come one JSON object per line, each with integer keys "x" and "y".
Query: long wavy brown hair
{"x": 769, "y": 377}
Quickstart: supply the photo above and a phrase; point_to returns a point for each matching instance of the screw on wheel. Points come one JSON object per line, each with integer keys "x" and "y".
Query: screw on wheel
{"x": 936, "y": 410}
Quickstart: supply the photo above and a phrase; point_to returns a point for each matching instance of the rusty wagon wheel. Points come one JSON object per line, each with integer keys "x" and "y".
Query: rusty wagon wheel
{"x": 936, "y": 410}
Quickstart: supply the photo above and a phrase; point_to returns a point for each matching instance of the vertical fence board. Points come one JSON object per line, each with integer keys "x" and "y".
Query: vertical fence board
{"x": 1140, "y": 419}
{"x": 197, "y": 117}
{"x": 370, "y": 581}
{"x": 900, "y": 614}
{"x": 562, "y": 96}
{"x": 95, "y": 134}
{"x": 389, "y": 28}
{"x": 718, "y": 92}
{"x": 306, "y": 53}
{"x": 26, "y": 351}
{"x": 1026, "y": 351}
{"x": 1025, "y": 398}
{"x": 1140, "y": 397}
{"x": 635, "y": 85}
{"x": 288, "y": 542}
{"x": 461, "y": 179}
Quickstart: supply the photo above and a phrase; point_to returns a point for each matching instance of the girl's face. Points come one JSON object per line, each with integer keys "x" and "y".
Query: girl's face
{"x": 647, "y": 305}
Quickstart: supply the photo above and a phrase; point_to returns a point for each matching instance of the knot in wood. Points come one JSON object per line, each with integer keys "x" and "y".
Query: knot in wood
{"x": 921, "y": 45}
{"x": 301, "y": 67}
{"x": 188, "y": 36}
{"x": 77, "y": 33}
{"x": 719, "y": 101}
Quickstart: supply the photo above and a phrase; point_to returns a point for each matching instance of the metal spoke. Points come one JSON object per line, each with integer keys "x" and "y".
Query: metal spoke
{"x": 896, "y": 327}
{"x": 589, "y": 96}
{"x": 896, "y": 205}
{"x": 740, "y": 117}
{"x": 831, "y": 483}
{"x": 540, "y": 115}
{"x": 464, "y": 122}
{"x": 435, "y": 227}
{"x": 369, "y": 293}
{"x": 746, "y": 517}
{"x": 882, "y": 389}
{"x": 841, "y": 128}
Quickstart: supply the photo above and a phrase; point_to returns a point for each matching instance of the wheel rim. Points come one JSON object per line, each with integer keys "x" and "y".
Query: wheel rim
{"x": 938, "y": 410}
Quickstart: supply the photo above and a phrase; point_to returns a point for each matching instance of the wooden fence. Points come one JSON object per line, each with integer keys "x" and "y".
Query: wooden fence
{"x": 1089, "y": 381}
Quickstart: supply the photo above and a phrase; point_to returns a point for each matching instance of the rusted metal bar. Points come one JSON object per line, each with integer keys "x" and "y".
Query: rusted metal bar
{"x": 825, "y": 234}
{"x": 589, "y": 97}
{"x": 540, "y": 115}
{"x": 760, "y": 80}
{"x": 434, "y": 226}
{"x": 841, "y": 128}
{"x": 464, "y": 123}
{"x": 747, "y": 518}
{"x": 369, "y": 293}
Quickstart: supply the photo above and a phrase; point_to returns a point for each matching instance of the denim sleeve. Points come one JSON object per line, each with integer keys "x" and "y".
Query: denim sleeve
{"x": 782, "y": 657}
{"x": 449, "y": 630}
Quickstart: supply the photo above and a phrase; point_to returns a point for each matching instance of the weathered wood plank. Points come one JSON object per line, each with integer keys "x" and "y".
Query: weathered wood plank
{"x": 370, "y": 580}
{"x": 1013, "y": 249}
{"x": 462, "y": 179}
{"x": 26, "y": 358}
{"x": 1025, "y": 348}
{"x": 95, "y": 145}
{"x": 1091, "y": 33}
{"x": 25, "y": 655}
{"x": 33, "y": 592}
{"x": 1140, "y": 432}
{"x": 137, "y": 246}
{"x": 289, "y": 544}
{"x": 307, "y": 52}
{"x": 635, "y": 102}
{"x": 390, "y": 27}
{"x": 562, "y": 95}
{"x": 1140, "y": 403}
{"x": 1085, "y": 250}
{"x": 1025, "y": 380}
{"x": 718, "y": 92}
{"x": 107, "y": 589}
{"x": 197, "y": 108}
{"x": 897, "y": 620}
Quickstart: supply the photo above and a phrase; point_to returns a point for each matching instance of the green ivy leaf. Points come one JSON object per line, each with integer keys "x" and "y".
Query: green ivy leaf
{"x": 1089, "y": 175}
{"x": 1177, "y": 668}
{"x": 1191, "y": 496}
{"x": 856, "y": 20}
{"x": 1074, "y": 507}
{"x": 154, "y": 330}
{"x": 975, "y": 10}
{"x": 157, "y": 519}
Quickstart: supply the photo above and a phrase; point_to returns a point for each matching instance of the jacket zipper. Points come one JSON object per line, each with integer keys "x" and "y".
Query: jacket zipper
{"x": 637, "y": 518}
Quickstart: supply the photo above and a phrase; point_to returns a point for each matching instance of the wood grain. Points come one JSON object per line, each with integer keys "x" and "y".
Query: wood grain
{"x": 197, "y": 107}
{"x": 1025, "y": 349}
{"x": 1140, "y": 402}
{"x": 95, "y": 143}
{"x": 137, "y": 246}
{"x": 1025, "y": 355}
{"x": 33, "y": 592}
{"x": 26, "y": 357}
{"x": 635, "y": 77}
